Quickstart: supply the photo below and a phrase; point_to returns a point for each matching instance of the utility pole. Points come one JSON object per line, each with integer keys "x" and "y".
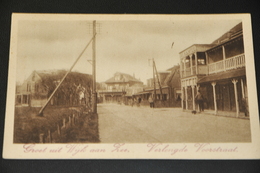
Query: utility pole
{"x": 94, "y": 93}
{"x": 158, "y": 80}
{"x": 154, "y": 82}
{"x": 49, "y": 99}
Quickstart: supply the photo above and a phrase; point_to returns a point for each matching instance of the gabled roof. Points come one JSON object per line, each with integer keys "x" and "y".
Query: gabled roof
{"x": 50, "y": 73}
{"x": 124, "y": 78}
{"x": 173, "y": 79}
{"x": 57, "y": 74}
{"x": 173, "y": 68}
{"x": 234, "y": 32}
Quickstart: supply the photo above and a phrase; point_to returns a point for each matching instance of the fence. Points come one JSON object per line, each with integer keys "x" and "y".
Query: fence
{"x": 55, "y": 136}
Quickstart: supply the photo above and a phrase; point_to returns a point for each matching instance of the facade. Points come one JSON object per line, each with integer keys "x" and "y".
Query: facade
{"x": 31, "y": 92}
{"x": 119, "y": 88}
{"x": 169, "y": 95}
{"x": 36, "y": 89}
{"x": 218, "y": 71}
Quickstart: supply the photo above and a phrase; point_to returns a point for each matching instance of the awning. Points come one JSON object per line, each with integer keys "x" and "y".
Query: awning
{"x": 223, "y": 75}
{"x": 143, "y": 92}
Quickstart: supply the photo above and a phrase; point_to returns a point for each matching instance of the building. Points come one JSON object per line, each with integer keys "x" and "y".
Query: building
{"x": 120, "y": 88}
{"x": 218, "y": 71}
{"x": 167, "y": 89}
{"x": 37, "y": 88}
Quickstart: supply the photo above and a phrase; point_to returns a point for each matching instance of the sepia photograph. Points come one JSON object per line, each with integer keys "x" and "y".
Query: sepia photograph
{"x": 131, "y": 86}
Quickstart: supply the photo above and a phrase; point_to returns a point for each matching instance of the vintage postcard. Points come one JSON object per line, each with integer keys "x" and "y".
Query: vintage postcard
{"x": 83, "y": 86}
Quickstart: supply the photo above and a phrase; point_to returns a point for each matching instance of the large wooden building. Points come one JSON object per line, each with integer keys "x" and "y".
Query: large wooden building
{"x": 36, "y": 89}
{"x": 119, "y": 88}
{"x": 218, "y": 71}
{"x": 167, "y": 89}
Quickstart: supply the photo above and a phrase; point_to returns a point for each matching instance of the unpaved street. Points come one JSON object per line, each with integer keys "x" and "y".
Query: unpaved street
{"x": 126, "y": 124}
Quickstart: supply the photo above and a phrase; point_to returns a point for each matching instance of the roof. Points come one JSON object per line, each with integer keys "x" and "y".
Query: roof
{"x": 142, "y": 92}
{"x": 161, "y": 72}
{"x": 124, "y": 78}
{"x": 173, "y": 79}
{"x": 49, "y": 77}
{"x": 172, "y": 68}
{"x": 199, "y": 47}
{"x": 48, "y": 73}
{"x": 59, "y": 74}
{"x": 235, "y": 31}
{"x": 223, "y": 75}
{"x": 152, "y": 88}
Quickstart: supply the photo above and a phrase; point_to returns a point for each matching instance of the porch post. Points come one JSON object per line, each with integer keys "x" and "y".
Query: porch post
{"x": 234, "y": 81}
{"x": 196, "y": 62}
{"x": 185, "y": 66}
{"x": 28, "y": 98}
{"x": 198, "y": 88}
{"x": 181, "y": 64}
{"x": 191, "y": 71}
{"x": 207, "y": 60}
{"x": 215, "y": 99}
{"x": 186, "y": 98}
{"x": 224, "y": 58}
{"x": 182, "y": 95}
{"x": 193, "y": 97}
{"x": 242, "y": 88}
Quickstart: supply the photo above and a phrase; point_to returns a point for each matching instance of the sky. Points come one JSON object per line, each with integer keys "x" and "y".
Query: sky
{"x": 121, "y": 46}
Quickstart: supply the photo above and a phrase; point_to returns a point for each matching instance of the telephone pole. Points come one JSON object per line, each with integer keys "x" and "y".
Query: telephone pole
{"x": 154, "y": 84}
{"x": 159, "y": 83}
{"x": 94, "y": 93}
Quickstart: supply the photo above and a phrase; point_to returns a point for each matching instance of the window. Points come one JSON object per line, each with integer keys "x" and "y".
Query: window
{"x": 201, "y": 62}
{"x": 28, "y": 87}
{"x": 36, "y": 87}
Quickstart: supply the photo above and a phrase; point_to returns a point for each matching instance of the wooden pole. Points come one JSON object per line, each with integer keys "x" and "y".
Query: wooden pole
{"x": 154, "y": 86}
{"x": 234, "y": 81}
{"x": 214, "y": 96}
{"x": 158, "y": 79}
{"x": 42, "y": 109}
{"x": 186, "y": 97}
{"x": 193, "y": 97}
{"x": 94, "y": 93}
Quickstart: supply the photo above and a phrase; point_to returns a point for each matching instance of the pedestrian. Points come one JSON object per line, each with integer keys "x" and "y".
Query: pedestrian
{"x": 132, "y": 101}
{"x": 245, "y": 107}
{"x": 139, "y": 101}
{"x": 151, "y": 101}
{"x": 200, "y": 100}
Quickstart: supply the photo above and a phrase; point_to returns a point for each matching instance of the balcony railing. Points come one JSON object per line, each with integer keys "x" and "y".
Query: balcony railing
{"x": 230, "y": 63}
{"x": 112, "y": 90}
{"x": 193, "y": 69}
{"x": 202, "y": 69}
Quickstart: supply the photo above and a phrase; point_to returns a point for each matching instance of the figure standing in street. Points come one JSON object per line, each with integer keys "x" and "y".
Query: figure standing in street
{"x": 139, "y": 101}
{"x": 151, "y": 101}
{"x": 245, "y": 107}
{"x": 199, "y": 99}
{"x": 132, "y": 101}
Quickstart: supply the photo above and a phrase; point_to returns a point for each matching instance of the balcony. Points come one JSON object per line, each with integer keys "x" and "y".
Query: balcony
{"x": 114, "y": 90}
{"x": 202, "y": 69}
{"x": 227, "y": 64}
